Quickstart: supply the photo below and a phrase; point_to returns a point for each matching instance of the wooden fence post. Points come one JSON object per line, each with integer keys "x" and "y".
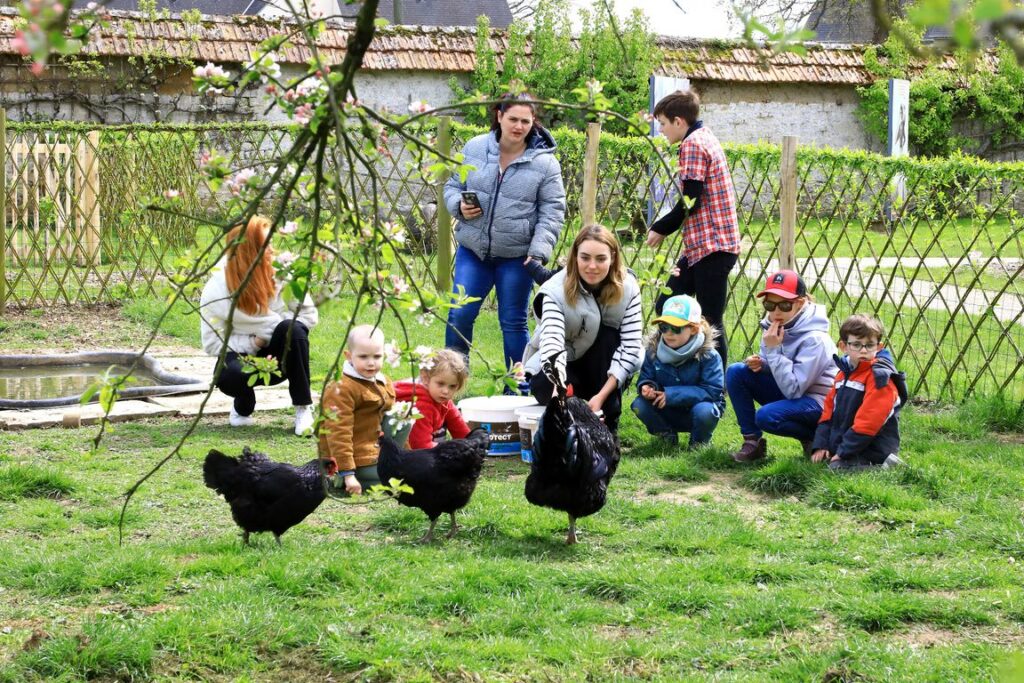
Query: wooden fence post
{"x": 787, "y": 204}
{"x": 88, "y": 200}
{"x": 588, "y": 198}
{"x": 443, "y": 218}
{"x": 3, "y": 209}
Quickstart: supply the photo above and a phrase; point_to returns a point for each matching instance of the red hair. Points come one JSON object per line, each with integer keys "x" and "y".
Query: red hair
{"x": 244, "y": 245}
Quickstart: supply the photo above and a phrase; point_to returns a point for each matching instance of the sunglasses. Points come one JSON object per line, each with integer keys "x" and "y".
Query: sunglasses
{"x": 665, "y": 328}
{"x": 784, "y": 306}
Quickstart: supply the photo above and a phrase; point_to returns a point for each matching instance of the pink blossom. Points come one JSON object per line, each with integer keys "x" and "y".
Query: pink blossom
{"x": 20, "y": 44}
{"x": 392, "y": 354}
{"x": 303, "y": 114}
{"x": 518, "y": 371}
{"x": 289, "y": 228}
{"x": 37, "y": 68}
{"x": 399, "y": 285}
{"x": 418, "y": 107}
{"x": 172, "y": 194}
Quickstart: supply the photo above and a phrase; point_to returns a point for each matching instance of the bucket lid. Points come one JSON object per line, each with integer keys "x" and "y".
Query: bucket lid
{"x": 531, "y": 411}
{"x": 492, "y": 403}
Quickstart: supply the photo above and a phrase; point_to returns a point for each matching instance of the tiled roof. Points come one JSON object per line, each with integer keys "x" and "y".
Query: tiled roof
{"x": 448, "y": 49}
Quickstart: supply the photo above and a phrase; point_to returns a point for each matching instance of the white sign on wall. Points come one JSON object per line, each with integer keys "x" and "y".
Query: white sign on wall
{"x": 663, "y": 192}
{"x": 899, "y": 142}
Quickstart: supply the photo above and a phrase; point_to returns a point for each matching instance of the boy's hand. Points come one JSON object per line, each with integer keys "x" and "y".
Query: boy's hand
{"x": 773, "y": 335}
{"x": 469, "y": 212}
{"x": 754, "y": 363}
{"x": 659, "y": 399}
{"x": 352, "y": 485}
{"x": 647, "y": 391}
{"x": 820, "y": 455}
{"x": 654, "y": 238}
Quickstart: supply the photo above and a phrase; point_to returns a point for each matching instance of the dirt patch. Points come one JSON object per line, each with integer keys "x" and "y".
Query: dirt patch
{"x": 721, "y": 487}
{"x": 926, "y": 636}
{"x": 60, "y": 329}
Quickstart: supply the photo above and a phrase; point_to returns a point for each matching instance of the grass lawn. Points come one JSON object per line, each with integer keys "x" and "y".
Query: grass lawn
{"x": 697, "y": 569}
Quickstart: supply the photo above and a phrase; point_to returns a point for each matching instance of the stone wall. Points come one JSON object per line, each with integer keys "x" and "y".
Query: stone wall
{"x": 820, "y": 115}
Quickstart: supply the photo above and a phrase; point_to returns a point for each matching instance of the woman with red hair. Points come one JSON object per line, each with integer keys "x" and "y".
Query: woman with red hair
{"x": 252, "y": 319}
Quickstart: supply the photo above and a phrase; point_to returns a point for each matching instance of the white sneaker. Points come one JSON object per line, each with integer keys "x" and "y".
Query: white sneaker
{"x": 892, "y": 461}
{"x": 303, "y": 420}
{"x": 236, "y": 420}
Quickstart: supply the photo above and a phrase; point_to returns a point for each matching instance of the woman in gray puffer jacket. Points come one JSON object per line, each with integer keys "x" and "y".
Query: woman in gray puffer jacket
{"x": 521, "y": 206}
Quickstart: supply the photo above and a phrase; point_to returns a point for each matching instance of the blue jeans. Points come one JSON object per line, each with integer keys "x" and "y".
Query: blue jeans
{"x": 793, "y": 417}
{"x": 699, "y": 420}
{"x": 512, "y": 283}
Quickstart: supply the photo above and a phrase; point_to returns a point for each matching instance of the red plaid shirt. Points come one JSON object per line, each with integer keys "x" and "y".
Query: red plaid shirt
{"x": 714, "y": 227}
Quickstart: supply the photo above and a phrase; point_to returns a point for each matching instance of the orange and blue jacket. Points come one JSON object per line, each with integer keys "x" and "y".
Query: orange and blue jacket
{"x": 860, "y": 418}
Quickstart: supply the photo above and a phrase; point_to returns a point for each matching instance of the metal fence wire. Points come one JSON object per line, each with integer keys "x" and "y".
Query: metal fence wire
{"x": 938, "y": 264}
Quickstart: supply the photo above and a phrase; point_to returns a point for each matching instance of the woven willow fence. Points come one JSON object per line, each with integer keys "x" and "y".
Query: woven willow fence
{"x": 940, "y": 267}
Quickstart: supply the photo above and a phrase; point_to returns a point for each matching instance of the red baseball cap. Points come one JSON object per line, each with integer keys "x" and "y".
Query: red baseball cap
{"x": 785, "y": 283}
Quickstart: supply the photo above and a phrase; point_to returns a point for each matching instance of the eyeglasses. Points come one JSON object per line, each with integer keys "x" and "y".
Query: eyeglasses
{"x": 665, "y": 328}
{"x": 784, "y": 306}
{"x": 857, "y": 346}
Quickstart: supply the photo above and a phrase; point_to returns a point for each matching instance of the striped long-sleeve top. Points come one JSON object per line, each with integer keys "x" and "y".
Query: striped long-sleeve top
{"x": 554, "y": 336}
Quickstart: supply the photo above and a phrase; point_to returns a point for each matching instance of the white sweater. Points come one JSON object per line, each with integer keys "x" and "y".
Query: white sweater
{"x": 215, "y": 304}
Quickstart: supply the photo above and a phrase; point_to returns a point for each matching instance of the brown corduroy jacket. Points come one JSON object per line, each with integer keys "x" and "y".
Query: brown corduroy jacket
{"x": 354, "y": 409}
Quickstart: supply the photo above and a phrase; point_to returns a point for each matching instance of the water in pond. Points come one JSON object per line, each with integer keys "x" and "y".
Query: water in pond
{"x": 33, "y": 383}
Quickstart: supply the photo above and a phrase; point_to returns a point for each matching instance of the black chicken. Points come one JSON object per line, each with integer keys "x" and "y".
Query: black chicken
{"x": 442, "y": 478}
{"x": 574, "y": 457}
{"x": 265, "y": 495}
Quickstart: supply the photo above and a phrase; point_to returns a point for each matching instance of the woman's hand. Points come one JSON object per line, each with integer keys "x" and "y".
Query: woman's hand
{"x": 773, "y": 335}
{"x": 469, "y": 211}
{"x": 596, "y": 402}
{"x": 754, "y": 363}
{"x": 259, "y": 342}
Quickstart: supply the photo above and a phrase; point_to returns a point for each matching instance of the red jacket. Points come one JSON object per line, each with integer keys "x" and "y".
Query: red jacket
{"x": 860, "y": 417}
{"x": 437, "y": 417}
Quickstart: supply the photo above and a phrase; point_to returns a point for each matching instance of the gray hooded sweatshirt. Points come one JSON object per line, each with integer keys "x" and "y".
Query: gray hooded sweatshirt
{"x": 523, "y": 210}
{"x": 802, "y": 365}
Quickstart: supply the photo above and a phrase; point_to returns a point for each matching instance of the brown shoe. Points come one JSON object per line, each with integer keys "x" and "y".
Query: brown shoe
{"x": 751, "y": 450}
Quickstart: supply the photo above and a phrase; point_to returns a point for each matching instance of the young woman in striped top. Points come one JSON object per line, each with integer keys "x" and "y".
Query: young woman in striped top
{"x": 591, "y": 311}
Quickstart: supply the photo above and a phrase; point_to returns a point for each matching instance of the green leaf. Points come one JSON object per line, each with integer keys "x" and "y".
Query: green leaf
{"x": 987, "y": 10}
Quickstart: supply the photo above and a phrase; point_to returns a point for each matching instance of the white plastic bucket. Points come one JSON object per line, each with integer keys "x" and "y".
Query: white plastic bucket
{"x": 528, "y": 418}
{"x": 497, "y": 415}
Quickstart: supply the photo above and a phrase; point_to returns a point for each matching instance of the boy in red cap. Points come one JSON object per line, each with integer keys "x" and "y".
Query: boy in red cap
{"x": 792, "y": 373}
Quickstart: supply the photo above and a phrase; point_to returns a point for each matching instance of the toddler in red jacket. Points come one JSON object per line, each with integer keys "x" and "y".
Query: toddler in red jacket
{"x": 442, "y": 377}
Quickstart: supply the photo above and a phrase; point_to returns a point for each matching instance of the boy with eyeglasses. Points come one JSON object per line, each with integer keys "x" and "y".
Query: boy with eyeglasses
{"x": 681, "y": 382}
{"x": 859, "y": 425}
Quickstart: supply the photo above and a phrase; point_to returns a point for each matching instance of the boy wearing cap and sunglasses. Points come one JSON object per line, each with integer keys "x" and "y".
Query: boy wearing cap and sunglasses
{"x": 681, "y": 379}
{"x": 791, "y": 375}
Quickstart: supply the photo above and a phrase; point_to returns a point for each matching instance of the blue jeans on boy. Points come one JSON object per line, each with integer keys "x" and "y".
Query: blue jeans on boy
{"x": 512, "y": 283}
{"x": 793, "y": 417}
{"x": 699, "y": 421}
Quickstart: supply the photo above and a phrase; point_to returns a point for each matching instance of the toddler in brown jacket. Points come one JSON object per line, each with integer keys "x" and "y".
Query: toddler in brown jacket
{"x": 354, "y": 407}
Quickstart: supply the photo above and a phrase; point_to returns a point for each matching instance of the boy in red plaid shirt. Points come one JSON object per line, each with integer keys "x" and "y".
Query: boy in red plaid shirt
{"x": 710, "y": 229}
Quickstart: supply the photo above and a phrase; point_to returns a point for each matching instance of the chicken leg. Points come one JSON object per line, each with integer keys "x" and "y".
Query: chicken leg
{"x": 429, "y": 536}
{"x": 454, "y": 528}
{"x": 571, "y": 538}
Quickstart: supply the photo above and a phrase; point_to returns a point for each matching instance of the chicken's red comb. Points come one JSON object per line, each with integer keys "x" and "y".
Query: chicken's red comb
{"x": 568, "y": 390}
